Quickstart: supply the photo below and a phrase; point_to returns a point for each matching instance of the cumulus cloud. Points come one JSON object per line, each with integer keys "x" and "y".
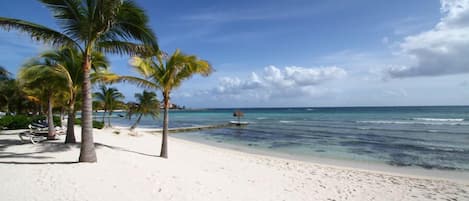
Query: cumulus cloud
{"x": 442, "y": 50}
{"x": 276, "y": 82}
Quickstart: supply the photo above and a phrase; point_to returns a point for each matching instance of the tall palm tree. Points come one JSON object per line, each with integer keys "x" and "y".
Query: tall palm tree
{"x": 131, "y": 108}
{"x": 39, "y": 80}
{"x": 104, "y": 25}
{"x": 110, "y": 97}
{"x": 68, "y": 62}
{"x": 147, "y": 104}
{"x": 166, "y": 73}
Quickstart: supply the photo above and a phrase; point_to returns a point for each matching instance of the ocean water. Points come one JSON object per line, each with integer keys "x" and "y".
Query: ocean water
{"x": 426, "y": 137}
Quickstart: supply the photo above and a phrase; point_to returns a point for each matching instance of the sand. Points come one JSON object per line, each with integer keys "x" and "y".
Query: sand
{"x": 128, "y": 168}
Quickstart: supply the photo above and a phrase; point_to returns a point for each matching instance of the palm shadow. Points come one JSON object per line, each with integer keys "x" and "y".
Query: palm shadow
{"x": 8, "y": 157}
{"x": 35, "y": 152}
{"x": 99, "y": 145}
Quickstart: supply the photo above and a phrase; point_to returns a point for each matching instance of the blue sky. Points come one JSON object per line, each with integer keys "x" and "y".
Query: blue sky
{"x": 298, "y": 52}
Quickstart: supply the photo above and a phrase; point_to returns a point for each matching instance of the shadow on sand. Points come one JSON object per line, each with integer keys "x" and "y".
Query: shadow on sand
{"x": 99, "y": 145}
{"x": 44, "y": 150}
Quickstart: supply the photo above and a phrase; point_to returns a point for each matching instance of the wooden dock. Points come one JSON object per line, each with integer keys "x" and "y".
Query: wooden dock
{"x": 188, "y": 129}
{"x": 197, "y": 128}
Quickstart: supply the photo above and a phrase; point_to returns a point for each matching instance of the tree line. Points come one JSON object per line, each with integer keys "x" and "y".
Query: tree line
{"x": 88, "y": 31}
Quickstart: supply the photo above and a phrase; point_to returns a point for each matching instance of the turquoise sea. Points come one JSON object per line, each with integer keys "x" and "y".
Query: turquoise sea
{"x": 434, "y": 137}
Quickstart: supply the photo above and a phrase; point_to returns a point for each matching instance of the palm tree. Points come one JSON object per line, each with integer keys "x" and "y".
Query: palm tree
{"x": 68, "y": 63}
{"x": 39, "y": 80}
{"x": 110, "y": 97}
{"x": 103, "y": 25}
{"x": 131, "y": 108}
{"x": 147, "y": 104}
{"x": 166, "y": 73}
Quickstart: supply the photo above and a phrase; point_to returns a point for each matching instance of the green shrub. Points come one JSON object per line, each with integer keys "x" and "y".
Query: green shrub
{"x": 57, "y": 121}
{"x": 77, "y": 121}
{"x": 22, "y": 121}
{"x": 15, "y": 122}
{"x": 96, "y": 124}
{"x": 5, "y": 121}
{"x": 37, "y": 118}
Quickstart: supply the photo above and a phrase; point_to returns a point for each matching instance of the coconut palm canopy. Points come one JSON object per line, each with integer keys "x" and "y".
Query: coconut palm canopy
{"x": 41, "y": 82}
{"x": 147, "y": 104}
{"x": 113, "y": 26}
{"x": 68, "y": 62}
{"x": 109, "y": 97}
{"x": 165, "y": 73}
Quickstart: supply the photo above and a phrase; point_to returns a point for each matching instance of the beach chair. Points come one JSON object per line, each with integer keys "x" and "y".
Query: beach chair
{"x": 37, "y": 134}
{"x": 33, "y": 136}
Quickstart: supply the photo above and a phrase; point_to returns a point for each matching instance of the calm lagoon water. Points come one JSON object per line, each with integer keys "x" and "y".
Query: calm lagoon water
{"x": 427, "y": 137}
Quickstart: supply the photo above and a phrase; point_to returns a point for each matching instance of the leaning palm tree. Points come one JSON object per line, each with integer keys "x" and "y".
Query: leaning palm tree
{"x": 105, "y": 25}
{"x": 110, "y": 98}
{"x": 147, "y": 104}
{"x": 68, "y": 62}
{"x": 166, "y": 73}
{"x": 39, "y": 80}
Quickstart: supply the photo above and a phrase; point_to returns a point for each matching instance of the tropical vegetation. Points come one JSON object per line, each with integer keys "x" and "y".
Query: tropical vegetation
{"x": 67, "y": 62}
{"x": 147, "y": 105}
{"x": 110, "y": 98}
{"x": 113, "y": 26}
{"x": 41, "y": 83}
{"x": 166, "y": 73}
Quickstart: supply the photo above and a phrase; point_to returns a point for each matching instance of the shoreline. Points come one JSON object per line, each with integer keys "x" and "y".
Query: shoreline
{"x": 365, "y": 166}
{"x": 374, "y": 166}
{"x": 129, "y": 168}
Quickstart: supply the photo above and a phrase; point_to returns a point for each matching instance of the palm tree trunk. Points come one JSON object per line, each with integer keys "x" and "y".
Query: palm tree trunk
{"x": 136, "y": 123}
{"x": 104, "y": 114}
{"x": 87, "y": 151}
{"x": 50, "y": 118}
{"x": 109, "y": 118}
{"x": 164, "y": 140}
{"x": 70, "y": 137}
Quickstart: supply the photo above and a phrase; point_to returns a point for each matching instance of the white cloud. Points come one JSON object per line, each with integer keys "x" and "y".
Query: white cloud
{"x": 442, "y": 50}
{"x": 291, "y": 81}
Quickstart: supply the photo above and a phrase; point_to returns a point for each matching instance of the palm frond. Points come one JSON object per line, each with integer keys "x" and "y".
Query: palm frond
{"x": 70, "y": 15}
{"x": 139, "y": 82}
{"x": 122, "y": 47}
{"x": 37, "y": 32}
{"x": 130, "y": 23}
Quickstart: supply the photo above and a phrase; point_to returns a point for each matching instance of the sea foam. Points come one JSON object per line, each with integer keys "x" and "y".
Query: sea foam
{"x": 435, "y": 119}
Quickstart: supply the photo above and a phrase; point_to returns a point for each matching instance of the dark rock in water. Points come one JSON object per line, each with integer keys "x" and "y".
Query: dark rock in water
{"x": 283, "y": 144}
{"x": 398, "y": 163}
{"x": 320, "y": 150}
{"x": 361, "y": 151}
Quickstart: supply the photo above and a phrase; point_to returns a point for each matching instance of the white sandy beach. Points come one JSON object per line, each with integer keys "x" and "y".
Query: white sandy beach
{"x": 128, "y": 168}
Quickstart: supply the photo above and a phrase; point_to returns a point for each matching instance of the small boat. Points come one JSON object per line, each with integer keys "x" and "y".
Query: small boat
{"x": 239, "y": 123}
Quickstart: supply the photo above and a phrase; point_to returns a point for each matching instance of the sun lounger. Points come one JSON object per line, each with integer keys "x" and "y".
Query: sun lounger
{"x": 36, "y": 135}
